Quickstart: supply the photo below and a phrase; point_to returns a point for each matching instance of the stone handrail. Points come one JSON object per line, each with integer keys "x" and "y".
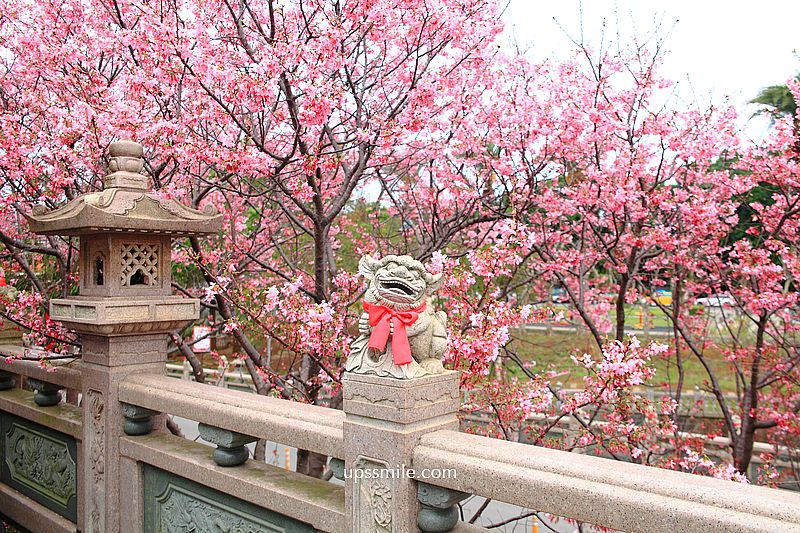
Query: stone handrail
{"x": 308, "y": 427}
{"x": 618, "y": 495}
{"x": 63, "y": 373}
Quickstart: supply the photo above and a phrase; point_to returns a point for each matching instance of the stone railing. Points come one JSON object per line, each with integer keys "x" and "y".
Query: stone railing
{"x": 387, "y": 427}
{"x": 40, "y": 442}
{"x": 310, "y": 427}
{"x": 109, "y": 466}
{"x": 39, "y": 365}
{"x": 621, "y": 496}
{"x": 229, "y": 419}
{"x": 234, "y": 375}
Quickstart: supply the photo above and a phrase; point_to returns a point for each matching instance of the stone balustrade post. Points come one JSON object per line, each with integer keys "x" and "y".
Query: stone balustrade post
{"x": 106, "y": 363}
{"x": 385, "y": 418}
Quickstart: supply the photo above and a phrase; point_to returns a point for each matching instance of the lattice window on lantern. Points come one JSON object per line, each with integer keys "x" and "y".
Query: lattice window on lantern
{"x": 139, "y": 265}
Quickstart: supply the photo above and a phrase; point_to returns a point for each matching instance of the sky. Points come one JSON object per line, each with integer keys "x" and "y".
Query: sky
{"x": 714, "y": 48}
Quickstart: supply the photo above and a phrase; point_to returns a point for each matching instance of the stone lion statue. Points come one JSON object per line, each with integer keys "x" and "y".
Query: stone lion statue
{"x": 400, "y": 334}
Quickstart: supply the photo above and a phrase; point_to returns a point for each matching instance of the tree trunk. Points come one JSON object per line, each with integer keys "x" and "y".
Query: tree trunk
{"x": 320, "y": 270}
{"x": 311, "y": 463}
{"x": 743, "y": 445}
{"x": 620, "y": 307}
{"x": 677, "y": 295}
{"x": 308, "y": 462}
{"x": 260, "y": 453}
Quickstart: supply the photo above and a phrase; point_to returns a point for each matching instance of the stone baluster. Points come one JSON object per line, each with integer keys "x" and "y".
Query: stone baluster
{"x": 337, "y": 468}
{"x": 138, "y": 420}
{"x": 439, "y": 511}
{"x": 45, "y": 394}
{"x": 231, "y": 450}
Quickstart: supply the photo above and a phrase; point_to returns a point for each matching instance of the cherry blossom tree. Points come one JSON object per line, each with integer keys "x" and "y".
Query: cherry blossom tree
{"x": 276, "y": 112}
{"x": 648, "y": 197}
{"x": 326, "y": 129}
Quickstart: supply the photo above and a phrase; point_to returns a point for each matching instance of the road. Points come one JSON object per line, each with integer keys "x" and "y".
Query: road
{"x": 655, "y": 331}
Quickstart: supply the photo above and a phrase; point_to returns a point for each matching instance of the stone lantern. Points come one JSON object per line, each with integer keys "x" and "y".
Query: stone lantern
{"x": 125, "y": 236}
{"x": 124, "y": 310}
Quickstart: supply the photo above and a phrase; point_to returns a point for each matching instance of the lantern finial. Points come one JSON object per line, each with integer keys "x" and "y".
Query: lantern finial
{"x": 125, "y": 164}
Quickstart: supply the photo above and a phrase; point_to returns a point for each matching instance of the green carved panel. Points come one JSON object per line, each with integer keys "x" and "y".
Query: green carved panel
{"x": 173, "y": 504}
{"x": 40, "y": 463}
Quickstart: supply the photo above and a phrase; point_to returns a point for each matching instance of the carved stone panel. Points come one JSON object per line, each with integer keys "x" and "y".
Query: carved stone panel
{"x": 173, "y": 504}
{"x": 96, "y": 486}
{"x": 40, "y": 463}
{"x": 374, "y": 490}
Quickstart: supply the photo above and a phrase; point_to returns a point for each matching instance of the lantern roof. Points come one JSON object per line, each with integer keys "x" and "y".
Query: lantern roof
{"x": 125, "y": 205}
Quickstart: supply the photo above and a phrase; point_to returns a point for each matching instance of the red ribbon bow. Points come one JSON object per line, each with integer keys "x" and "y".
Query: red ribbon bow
{"x": 379, "y": 318}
